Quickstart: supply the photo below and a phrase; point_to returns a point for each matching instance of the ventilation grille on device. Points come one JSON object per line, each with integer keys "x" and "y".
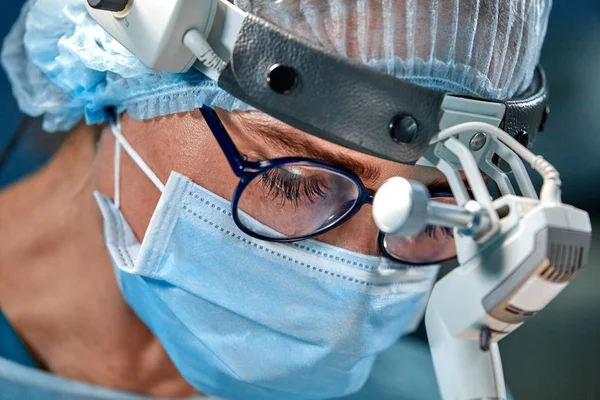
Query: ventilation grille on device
{"x": 517, "y": 311}
{"x": 565, "y": 262}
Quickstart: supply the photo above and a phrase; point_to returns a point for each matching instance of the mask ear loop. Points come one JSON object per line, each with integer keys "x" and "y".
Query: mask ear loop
{"x": 120, "y": 141}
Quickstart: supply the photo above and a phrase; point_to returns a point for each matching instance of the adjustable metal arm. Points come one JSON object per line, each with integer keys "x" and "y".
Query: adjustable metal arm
{"x": 403, "y": 208}
{"x": 515, "y": 254}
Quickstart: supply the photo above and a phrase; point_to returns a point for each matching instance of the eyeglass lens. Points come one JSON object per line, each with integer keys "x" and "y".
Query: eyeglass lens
{"x": 296, "y": 200}
{"x": 433, "y": 245}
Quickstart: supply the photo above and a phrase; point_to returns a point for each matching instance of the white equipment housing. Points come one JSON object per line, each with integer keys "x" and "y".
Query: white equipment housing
{"x": 154, "y": 31}
{"x": 515, "y": 253}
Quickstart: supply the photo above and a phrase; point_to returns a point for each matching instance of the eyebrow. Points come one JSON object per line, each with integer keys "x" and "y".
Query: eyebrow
{"x": 287, "y": 142}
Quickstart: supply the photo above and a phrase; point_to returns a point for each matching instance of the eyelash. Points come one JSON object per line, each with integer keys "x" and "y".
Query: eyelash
{"x": 431, "y": 231}
{"x": 289, "y": 186}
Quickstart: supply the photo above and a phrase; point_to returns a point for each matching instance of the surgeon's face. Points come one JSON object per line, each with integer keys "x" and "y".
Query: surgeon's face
{"x": 185, "y": 144}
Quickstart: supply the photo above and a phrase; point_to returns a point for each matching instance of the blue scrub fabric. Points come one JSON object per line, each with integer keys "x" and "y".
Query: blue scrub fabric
{"x": 403, "y": 372}
{"x": 18, "y": 382}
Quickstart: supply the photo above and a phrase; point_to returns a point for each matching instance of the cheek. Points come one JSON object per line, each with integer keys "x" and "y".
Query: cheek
{"x": 209, "y": 168}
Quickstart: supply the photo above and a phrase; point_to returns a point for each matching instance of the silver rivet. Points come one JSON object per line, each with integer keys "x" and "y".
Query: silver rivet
{"x": 478, "y": 141}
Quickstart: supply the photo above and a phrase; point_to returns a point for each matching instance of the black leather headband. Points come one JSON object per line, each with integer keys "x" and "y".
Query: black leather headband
{"x": 346, "y": 102}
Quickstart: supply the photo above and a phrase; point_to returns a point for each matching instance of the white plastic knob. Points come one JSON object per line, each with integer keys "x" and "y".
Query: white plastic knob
{"x": 400, "y": 207}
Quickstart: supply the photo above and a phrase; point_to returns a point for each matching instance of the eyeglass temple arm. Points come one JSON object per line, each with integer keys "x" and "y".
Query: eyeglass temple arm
{"x": 231, "y": 152}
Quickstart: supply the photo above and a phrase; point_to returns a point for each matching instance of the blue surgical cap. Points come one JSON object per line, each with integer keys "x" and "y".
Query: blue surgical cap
{"x": 65, "y": 67}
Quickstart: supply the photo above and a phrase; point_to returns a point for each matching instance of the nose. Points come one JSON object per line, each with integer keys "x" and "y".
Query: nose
{"x": 358, "y": 234}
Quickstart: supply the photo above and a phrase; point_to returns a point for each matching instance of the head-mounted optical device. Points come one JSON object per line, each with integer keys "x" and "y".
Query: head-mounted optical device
{"x": 302, "y": 84}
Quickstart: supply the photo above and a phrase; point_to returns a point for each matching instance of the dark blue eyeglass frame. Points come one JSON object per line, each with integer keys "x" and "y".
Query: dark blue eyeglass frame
{"x": 247, "y": 171}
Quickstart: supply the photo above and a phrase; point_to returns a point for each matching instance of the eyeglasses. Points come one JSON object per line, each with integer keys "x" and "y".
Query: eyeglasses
{"x": 289, "y": 199}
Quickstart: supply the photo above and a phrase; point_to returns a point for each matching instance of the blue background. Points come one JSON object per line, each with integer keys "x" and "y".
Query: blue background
{"x": 556, "y": 355}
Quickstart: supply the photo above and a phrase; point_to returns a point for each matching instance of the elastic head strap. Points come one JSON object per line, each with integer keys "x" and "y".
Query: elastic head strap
{"x": 352, "y": 104}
